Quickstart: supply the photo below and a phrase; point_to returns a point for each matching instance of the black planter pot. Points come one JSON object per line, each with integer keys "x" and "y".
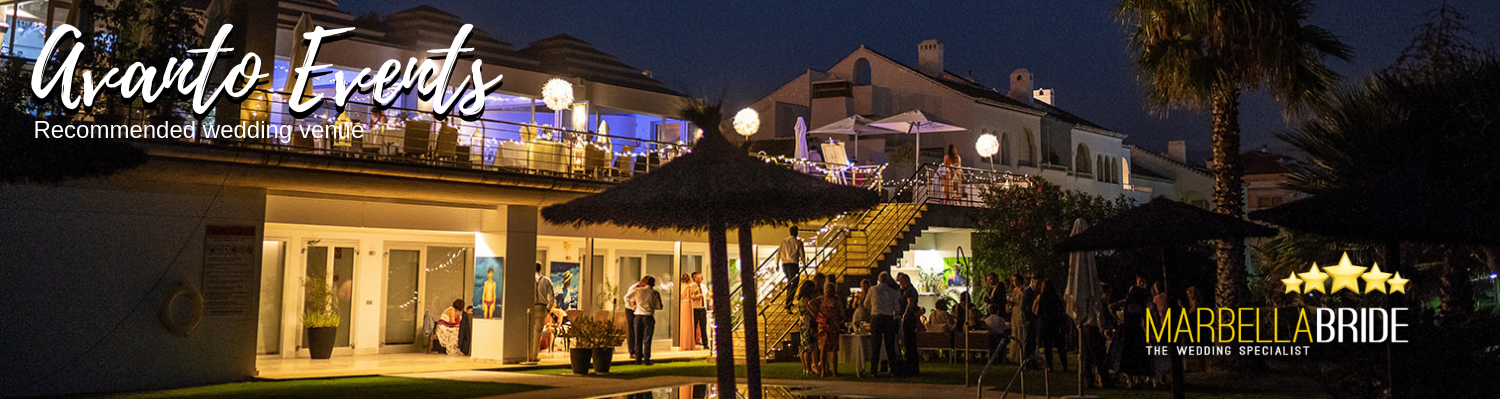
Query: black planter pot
{"x": 320, "y": 341}
{"x": 580, "y": 358}
{"x": 602, "y": 359}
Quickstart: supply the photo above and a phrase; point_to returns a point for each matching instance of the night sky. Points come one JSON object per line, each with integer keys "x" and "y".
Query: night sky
{"x": 741, "y": 51}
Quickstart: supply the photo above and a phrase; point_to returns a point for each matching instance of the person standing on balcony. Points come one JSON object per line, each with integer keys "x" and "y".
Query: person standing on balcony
{"x": 791, "y": 256}
{"x": 884, "y": 301}
{"x": 952, "y": 176}
{"x": 545, "y": 297}
{"x": 647, "y": 302}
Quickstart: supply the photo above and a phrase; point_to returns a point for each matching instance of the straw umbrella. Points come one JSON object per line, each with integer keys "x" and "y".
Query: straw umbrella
{"x": 1163, "y": 224}
{"x": 1391, "y": 212}
{"x": 715, "y": 187}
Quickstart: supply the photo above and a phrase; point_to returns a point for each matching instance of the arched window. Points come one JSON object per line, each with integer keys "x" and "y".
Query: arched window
{"x": 1099, "y": 166}
{"x": 1007, "y": 150}
{"x": 1026, "y": 153}
{"x": 861, "y": 72}
{"x": 1114, "y": 169}
{"x": 1081, "y": 160}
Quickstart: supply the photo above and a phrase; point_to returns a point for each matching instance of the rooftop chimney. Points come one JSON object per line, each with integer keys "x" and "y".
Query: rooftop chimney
{"x": 1043, "y": 95}
{"x": 1020, "y": 85}
{"x": 1177, "y": 151}
{"x": 930, "y": 58}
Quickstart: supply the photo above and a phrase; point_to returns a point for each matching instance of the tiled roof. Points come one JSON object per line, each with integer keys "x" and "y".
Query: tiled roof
{"x": 1261, "y": 162}
{"x": 570, "y": 56}
{"x": 975, "y": 90}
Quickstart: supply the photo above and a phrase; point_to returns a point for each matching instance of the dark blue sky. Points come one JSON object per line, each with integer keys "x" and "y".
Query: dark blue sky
{"x": 743, "y": 50}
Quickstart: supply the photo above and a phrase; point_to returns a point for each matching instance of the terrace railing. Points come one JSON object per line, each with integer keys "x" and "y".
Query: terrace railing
{"x": 405, "y": 135}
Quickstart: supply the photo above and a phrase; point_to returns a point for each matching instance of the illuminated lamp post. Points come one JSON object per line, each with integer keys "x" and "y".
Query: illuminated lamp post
{"x": 558, "y": 95}
{"x": 988, "y": 146}
{"x": 746, "y": 122}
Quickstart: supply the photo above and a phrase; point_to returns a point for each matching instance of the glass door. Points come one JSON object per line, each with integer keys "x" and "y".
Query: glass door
{"x": 333, "y": 263}
{"x": 402, "y": 279}
{"x": 272, "y": 268}
{"x": 446, "y": 277}
{"x": 660, "y": 266}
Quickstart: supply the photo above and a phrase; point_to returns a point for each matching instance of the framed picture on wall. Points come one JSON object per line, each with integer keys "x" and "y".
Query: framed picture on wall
{"x": 489, "y": 286}
{"x": 565, "y": 280}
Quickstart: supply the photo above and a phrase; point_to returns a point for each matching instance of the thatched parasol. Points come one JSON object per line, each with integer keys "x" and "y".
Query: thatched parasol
{"x": 1163, "y": 223}
{"x": 1394, "y": 212}
{"x": 714, "y": 187}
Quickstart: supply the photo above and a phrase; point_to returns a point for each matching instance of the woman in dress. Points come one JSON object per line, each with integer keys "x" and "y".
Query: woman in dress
{"x": 941, "y": 321}
{"x": 807, "y": 296}
{"x": 447, "y": 327}
{"x": 830, "y": 319}
{"x": 1135, "y": 365}
{"x": 953, "y": 178}
{"x": 861, "y": 307}
{"x": 1018, "y": 329}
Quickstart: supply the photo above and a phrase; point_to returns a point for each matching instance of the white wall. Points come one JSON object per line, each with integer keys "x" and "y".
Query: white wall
{"x": 87, "y": 267}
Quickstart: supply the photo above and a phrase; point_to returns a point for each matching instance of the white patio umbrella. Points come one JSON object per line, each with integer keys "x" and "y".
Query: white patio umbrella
{"x": 916, "y": 122}
{"x": 853, "y": 126}
{"x": 1082, "y": 295}
{"x": 801, "y": 154}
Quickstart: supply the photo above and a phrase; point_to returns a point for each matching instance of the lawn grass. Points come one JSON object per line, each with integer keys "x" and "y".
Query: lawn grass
{"x": 1266, "y": 385}
{"x": 336, "y": 388}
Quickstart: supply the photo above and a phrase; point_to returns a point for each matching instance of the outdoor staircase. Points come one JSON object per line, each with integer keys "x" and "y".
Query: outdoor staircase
{"x": 848, "y": 248}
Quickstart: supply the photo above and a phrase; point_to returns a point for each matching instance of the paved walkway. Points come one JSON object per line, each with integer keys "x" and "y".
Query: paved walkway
{"x": 568, "y": 387}
{"x": 365, "y": 365}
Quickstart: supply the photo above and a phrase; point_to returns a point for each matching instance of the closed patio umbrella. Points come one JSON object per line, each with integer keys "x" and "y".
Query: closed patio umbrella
{"x": 1082, "y": 295}
{"x": 801, "y": 154}
{"x": 715, "y": 187}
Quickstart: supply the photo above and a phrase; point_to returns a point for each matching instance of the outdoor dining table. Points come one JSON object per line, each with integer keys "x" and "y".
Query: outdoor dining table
{"x": 512, "y": 154}
{"x": 550, "y": 156}
{"x": 855, "y": 348}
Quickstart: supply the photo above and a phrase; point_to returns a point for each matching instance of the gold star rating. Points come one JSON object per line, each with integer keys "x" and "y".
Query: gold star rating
{"x": 1314, "y": 279}
{"x": 1345, "y": 275}
{"x": 1293, "y": 284}
{"x": 1375, "y": 279}
{"x": 1398, "y": 284}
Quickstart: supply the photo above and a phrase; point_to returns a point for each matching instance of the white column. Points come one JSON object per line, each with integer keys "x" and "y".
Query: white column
{"x": 508, "y": 232}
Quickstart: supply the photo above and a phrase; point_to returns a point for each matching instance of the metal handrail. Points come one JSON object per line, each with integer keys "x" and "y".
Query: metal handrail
{"x": 838, "y": 272}
{"x": 407, "y": 135}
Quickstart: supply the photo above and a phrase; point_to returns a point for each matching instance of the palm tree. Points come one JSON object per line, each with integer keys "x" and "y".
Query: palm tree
{"x": 1196, "y": 54}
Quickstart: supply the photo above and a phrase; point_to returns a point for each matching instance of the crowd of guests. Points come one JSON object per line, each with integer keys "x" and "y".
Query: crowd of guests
{"x": 1026, "y": 321}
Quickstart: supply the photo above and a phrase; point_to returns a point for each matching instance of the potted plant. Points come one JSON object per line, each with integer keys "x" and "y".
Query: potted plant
{"x": 603, "y": 342}
{"x": 320, "y": 316}
{"x": 594, "y": 341}
{"x": 579, "y": 332}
